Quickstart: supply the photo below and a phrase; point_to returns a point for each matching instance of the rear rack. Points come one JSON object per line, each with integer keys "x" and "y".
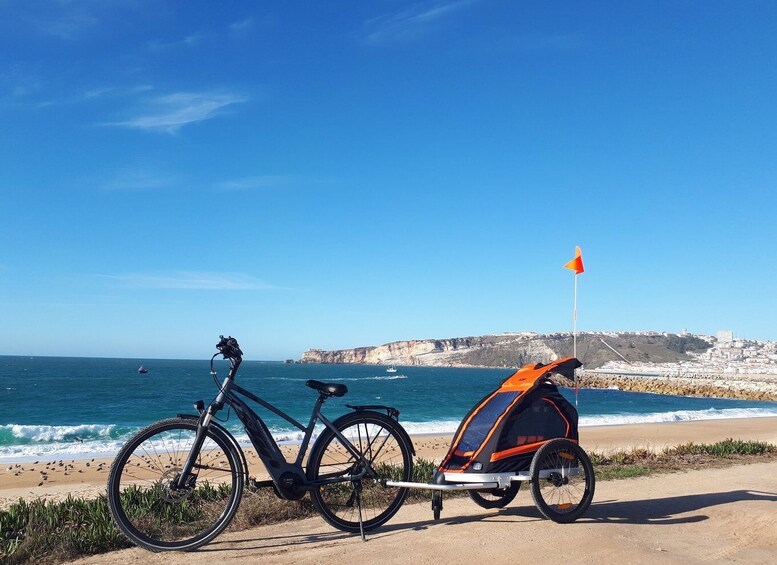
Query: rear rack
{"x": 390, "y": 412}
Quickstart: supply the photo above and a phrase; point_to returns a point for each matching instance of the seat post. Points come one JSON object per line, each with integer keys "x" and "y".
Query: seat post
{"x": 319, "y": 403}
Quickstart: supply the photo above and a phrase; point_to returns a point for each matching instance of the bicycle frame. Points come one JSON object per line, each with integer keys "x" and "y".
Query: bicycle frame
{"x": 261, "y": 438}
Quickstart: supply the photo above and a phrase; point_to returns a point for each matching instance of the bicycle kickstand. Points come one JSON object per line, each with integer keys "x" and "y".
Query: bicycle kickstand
{"x": 357, "y": 486}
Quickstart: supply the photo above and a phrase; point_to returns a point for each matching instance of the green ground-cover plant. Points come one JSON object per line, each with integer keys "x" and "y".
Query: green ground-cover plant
{"x": 640, "y": 462}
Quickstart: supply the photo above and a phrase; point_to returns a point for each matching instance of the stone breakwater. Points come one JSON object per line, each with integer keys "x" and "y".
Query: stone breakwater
{"x": 745, "y": 387}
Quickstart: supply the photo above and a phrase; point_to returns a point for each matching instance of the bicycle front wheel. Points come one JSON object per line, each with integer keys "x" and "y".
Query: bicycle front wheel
{"x": 143, "y": 497}
{"x": 385, "y": 446}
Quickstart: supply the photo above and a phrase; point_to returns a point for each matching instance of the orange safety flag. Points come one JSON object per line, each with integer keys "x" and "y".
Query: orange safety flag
{"x": 576, "y": 264}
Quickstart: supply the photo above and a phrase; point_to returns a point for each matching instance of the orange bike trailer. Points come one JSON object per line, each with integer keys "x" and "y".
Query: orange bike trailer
{"x": 504, "y": 430}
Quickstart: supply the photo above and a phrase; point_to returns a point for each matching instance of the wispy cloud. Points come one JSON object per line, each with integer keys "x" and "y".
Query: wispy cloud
{"x": 187, "y": 41}
{"x": 18, "y": 84}
{"x": 115, "y": 91}
{"x": 258, "y": 182}
{"x": 68, "y": 20}
{"x": 241, "y": 26}
{"x": 71, "y": 26}
{"x": 171, "y": 112}
{"x": 537, "y": 43}
{"x": 137, "y": 179}
{"x": 411, "y": 23}
{"x": 18, "y": 87}
{"x": 191, "y": 280}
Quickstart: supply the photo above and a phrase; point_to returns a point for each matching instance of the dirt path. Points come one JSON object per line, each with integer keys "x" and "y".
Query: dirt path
{"x": 713, "y": 515}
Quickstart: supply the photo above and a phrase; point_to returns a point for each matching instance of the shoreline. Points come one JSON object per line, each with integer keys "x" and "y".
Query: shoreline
{"x": 87, "y": 477}
{"x": 292, "y": 444}
{"x": 760, "y": 408}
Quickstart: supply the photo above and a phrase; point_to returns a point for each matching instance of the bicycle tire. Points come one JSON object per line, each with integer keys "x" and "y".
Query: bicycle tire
{"x": 496, "y": 497}
{"x": 385, "y": 444}
{"x": 564, "y": 495}
{"x": 160, "y": 518}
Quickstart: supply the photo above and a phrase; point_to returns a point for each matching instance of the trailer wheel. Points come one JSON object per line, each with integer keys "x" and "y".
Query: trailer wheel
{"x": 495, "y": 497}
{"x": 562, "y": 480}
{"x": 436, "y": 504}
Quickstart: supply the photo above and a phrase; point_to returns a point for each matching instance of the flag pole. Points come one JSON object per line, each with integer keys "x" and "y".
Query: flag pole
{"x": 575, "y": 265}
{"x": 574, "y": 338}
{"x": 574, "y": 323}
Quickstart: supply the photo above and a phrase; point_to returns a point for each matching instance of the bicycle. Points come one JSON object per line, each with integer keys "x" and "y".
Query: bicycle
{"x": 178, "y": 483}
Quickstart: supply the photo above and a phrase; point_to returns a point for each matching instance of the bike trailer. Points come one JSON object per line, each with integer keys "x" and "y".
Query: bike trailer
{"x": 504, "y": 430}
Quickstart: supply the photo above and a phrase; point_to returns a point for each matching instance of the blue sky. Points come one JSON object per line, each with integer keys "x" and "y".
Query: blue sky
{"x": 337, "y": 174}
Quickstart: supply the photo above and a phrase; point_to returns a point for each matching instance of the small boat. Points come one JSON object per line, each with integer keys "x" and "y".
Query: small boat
{"x": 142, "y": 370}
{"x": 391, "y": 369}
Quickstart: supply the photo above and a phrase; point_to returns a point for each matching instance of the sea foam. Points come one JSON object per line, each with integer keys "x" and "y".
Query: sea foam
{"x": 33, "y": 433}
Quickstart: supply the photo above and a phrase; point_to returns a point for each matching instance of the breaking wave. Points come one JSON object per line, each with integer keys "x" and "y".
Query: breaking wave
{"x": 20, "y": 441}
{"x": 11, "y": 434}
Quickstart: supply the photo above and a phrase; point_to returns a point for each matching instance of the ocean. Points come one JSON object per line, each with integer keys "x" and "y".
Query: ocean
{"x": 57, "y": 407}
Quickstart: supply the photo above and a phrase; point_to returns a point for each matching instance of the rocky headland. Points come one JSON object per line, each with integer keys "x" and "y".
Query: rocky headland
{"x": 594, "y": 349}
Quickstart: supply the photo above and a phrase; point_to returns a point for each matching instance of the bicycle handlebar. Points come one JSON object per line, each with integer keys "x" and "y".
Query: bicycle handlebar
{"x": 229, "y": 348}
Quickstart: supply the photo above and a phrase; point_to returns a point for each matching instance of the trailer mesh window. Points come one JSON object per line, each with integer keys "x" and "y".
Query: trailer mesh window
{"x": 482, "y": 422}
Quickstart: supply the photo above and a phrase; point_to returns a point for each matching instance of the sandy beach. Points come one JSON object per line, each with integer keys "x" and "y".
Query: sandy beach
{"x": 54, "y": 480}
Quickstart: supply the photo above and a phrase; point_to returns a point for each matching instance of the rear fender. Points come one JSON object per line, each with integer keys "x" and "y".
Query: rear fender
{"x": 393, "y": 413}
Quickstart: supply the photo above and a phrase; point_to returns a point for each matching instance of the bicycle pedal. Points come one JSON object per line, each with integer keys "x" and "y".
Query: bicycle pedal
{"x": 253, "y": 484}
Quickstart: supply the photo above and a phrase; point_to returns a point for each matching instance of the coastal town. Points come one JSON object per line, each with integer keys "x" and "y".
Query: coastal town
{"x": 730, "y": 367}
{"x": 727, "y": 355}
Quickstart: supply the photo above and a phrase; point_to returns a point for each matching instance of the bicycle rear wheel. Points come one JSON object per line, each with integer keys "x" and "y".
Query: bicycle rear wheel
{"x": 143, "y": 498}
{"x": 385, "y": 445}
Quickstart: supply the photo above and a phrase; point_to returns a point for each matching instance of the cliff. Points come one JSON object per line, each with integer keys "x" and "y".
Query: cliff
{"x": 517, "y": 349}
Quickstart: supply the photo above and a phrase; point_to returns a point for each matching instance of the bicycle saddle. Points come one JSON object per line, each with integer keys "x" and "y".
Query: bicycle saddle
{"x": 330, "y": 389}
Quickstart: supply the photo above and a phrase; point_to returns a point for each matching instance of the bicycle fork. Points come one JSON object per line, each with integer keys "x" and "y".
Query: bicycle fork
{"x": 203, "y": 423}
{"x": 183, "y": 480}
